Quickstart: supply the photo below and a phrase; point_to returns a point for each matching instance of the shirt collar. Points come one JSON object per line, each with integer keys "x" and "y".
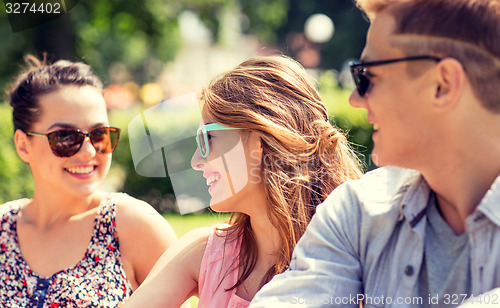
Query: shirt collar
{"x": 490, "y": 203}
{"x": 415, "y": 196}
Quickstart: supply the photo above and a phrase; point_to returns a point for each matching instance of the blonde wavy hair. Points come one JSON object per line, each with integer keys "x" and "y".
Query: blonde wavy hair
{"x": 304, "y": 157}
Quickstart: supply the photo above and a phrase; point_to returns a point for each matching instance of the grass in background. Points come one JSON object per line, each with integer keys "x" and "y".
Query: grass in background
{"x": 184, "y": 223}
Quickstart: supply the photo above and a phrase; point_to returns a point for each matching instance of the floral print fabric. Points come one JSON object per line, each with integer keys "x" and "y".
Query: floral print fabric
{"x": 98, "y": 280}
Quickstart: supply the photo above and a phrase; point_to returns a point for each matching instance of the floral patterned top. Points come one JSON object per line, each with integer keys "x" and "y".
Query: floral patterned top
{"x": 98, "y": 280}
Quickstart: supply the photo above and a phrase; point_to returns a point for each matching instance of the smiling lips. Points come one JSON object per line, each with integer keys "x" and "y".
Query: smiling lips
{"x": 80, "y": 170}
{"x": 212, "y": 179}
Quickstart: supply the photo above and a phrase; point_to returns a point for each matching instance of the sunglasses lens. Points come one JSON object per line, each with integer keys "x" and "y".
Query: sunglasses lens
{"x": 363, "y": 83}
{"x": 201, "y": 138}
{"x": 360, "y": 79}
{"x": 65, "y": 143}
{"x": 105, "y": 139}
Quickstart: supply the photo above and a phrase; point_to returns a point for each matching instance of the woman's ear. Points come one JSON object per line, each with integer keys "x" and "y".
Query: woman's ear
{"x": 451, "y": 80}
{"x": 23, "y": 147}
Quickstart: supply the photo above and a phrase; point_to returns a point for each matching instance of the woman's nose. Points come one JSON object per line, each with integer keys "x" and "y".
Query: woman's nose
{"x": 197, "y": 161}
{"x": 87, "y": 149}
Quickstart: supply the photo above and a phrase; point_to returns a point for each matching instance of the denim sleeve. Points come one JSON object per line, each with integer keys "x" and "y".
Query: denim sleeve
{"x": 325, "y": 269}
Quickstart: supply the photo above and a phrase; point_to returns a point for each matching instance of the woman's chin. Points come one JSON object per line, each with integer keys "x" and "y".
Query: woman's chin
{"x": 225, "y": 205}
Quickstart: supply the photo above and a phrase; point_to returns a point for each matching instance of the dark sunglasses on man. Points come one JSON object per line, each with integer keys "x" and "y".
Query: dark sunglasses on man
{"x": 67, "y": 142}
{"x": 361, "y": 77}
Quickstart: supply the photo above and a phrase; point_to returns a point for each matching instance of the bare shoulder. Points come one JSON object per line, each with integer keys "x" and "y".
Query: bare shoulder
{"x": 196, "y": 239}
{"x": 130, "y": 206}
{"x": 144, "y": 235}
{"x": 192, "y": 245}
{"x": 186, "y": 253}
{"x": 135, "y": 217}
{"x": 174, "y": 278}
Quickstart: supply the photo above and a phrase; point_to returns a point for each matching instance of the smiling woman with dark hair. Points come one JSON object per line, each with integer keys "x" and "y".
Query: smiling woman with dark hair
{"x": 71, "y": 245}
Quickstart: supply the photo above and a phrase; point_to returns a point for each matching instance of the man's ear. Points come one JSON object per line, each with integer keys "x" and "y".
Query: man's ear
{"x": 451, "y": 80}
{"x": 23, "y": 147}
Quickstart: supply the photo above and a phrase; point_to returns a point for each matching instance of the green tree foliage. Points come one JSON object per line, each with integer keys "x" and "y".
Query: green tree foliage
{"x": 156, "y": 191}
{"x": 351, "y": 121}
{"x": 137, "y": 35}
{"x": 350, "y": 29}
{"x": 15, "y": 175}
{"x": 140, "y": 35}
{"x": 266, "y": 17}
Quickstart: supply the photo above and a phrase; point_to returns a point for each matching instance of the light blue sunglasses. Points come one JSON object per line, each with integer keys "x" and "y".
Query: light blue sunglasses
{"x": 202, "y": 136}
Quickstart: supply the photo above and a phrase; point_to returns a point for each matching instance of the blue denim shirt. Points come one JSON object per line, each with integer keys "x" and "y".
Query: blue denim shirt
{"x": 366, "y": 241}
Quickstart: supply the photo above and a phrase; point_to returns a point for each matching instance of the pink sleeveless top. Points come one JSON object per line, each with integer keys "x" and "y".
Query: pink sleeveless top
{"x": 220, "y": 263}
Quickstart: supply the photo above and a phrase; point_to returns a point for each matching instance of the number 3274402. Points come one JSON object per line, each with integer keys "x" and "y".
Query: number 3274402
{"x": 34, "y": 8}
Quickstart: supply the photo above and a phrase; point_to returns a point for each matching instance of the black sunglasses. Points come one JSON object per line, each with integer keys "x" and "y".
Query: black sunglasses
{"x": 362, "y": 80}
{"x": 67, "y": 142}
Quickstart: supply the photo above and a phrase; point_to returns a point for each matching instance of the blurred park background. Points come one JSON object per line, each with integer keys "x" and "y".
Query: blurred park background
{"x": 152, "y": 50}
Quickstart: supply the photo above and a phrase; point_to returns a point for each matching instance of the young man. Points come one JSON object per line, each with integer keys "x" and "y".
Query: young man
{"x": 430, "y": 80}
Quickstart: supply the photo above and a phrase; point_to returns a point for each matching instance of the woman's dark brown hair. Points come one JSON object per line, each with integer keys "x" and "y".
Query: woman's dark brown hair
{"x": 42, "y": 78}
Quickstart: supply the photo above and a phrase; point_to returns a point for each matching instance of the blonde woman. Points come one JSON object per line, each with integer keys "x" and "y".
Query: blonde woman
{"x": 293, "y": 158}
